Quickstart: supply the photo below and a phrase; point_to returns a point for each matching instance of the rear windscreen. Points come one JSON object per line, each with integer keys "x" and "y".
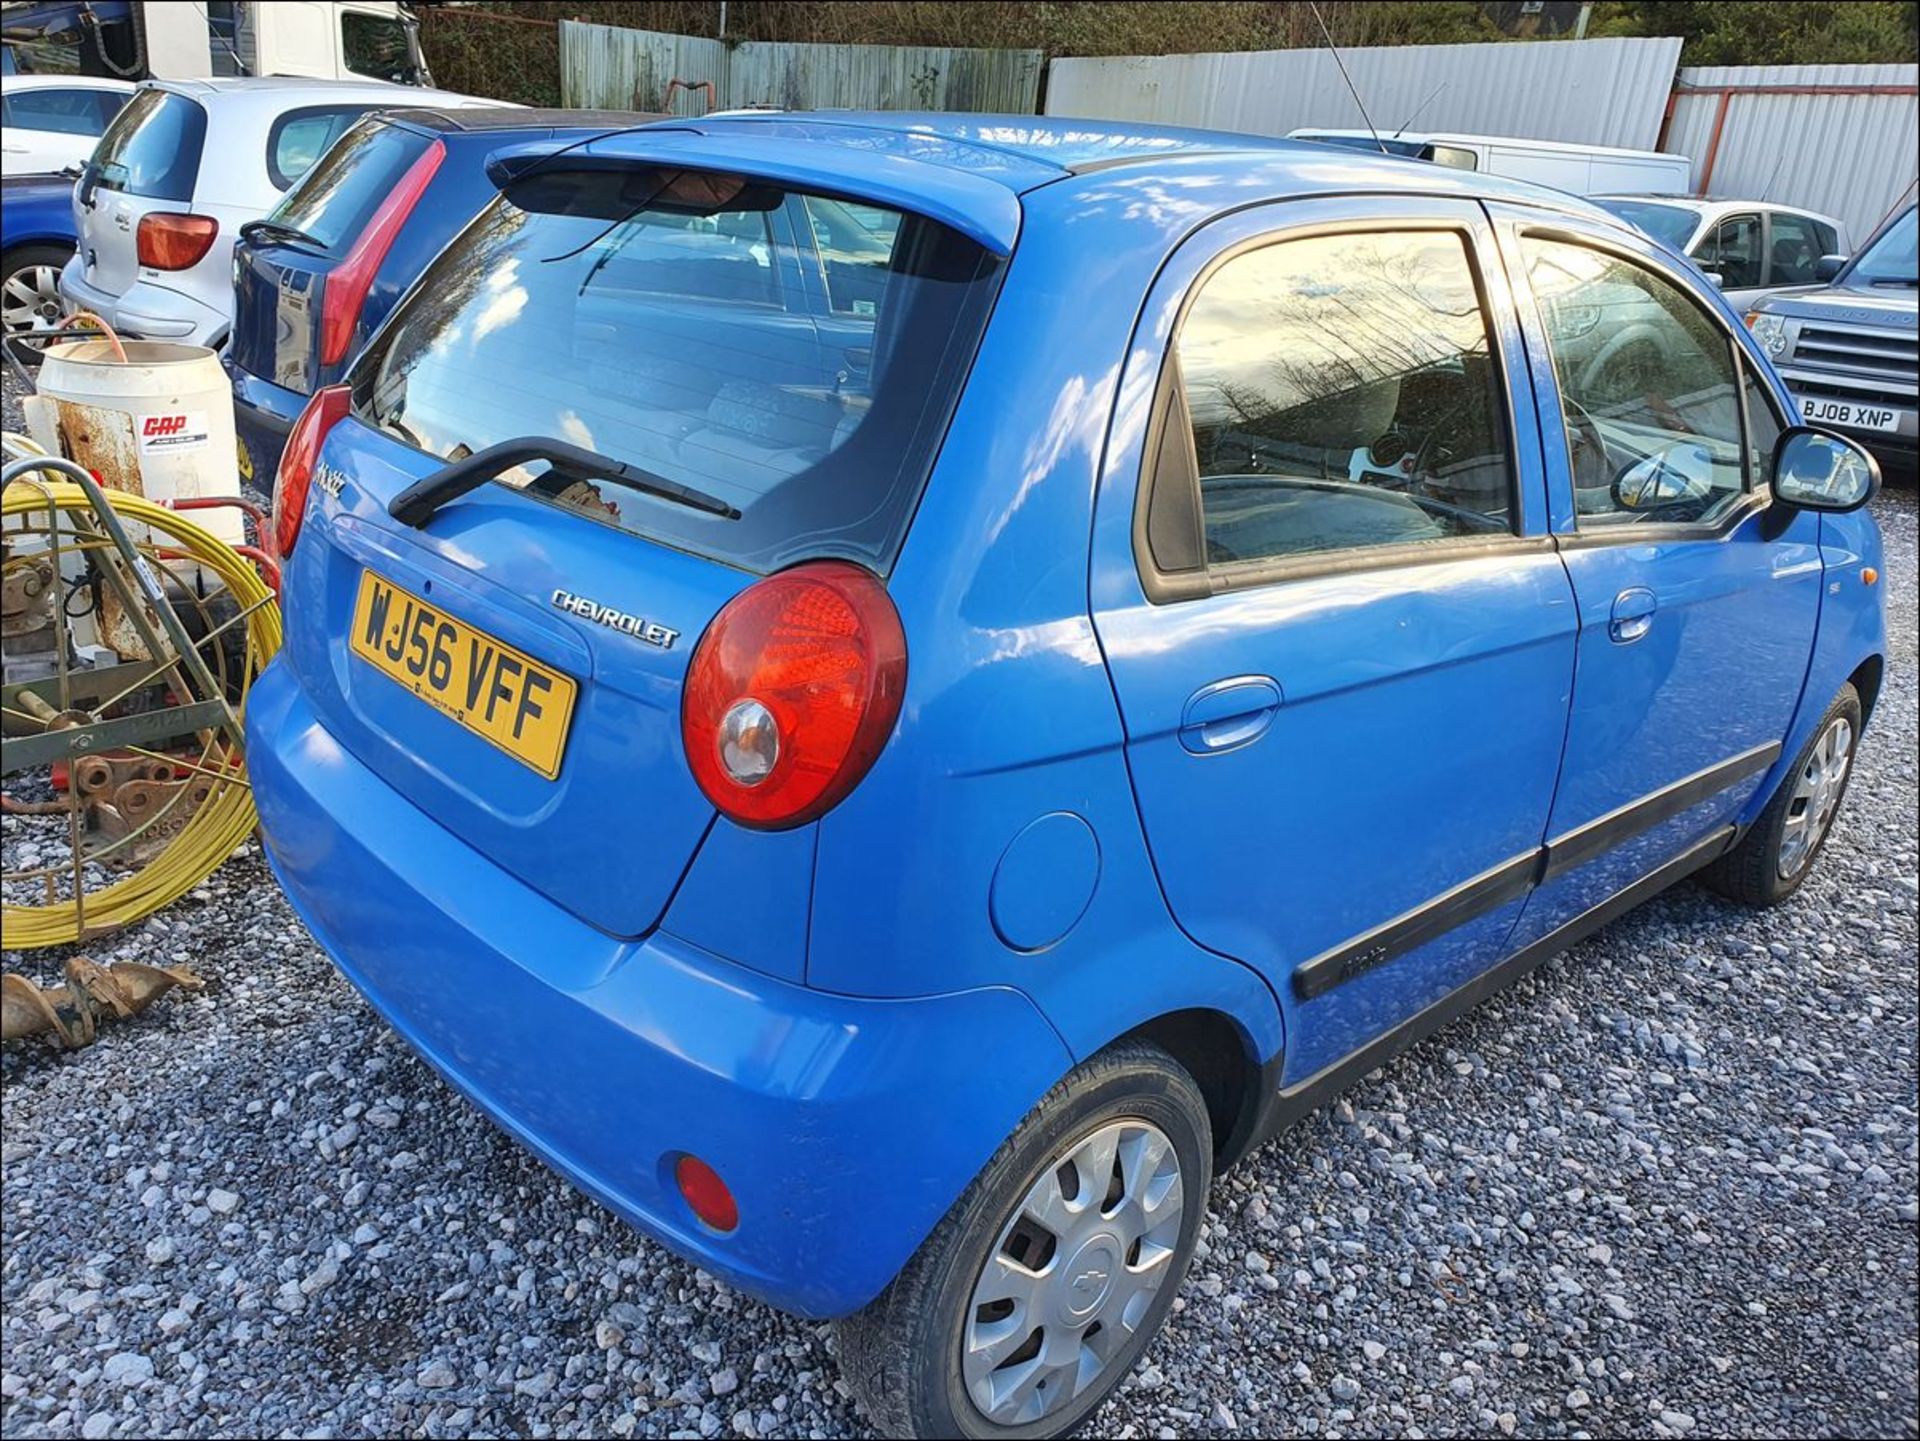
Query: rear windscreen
{"x": 794, "y": 354}
{"x": 334, "y": 200}
{"x": 152, "y": 148}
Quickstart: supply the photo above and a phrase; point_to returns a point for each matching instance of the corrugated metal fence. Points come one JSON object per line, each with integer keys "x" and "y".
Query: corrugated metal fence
{"x": 1594, "y": 92}
{"x": 1841, "y": 139}
{"x": 602, "y": 67}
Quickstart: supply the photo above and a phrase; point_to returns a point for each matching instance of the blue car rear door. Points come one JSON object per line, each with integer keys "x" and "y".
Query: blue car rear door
{"x": 1340, "y": 636}
{"x": 1698, "y": 602}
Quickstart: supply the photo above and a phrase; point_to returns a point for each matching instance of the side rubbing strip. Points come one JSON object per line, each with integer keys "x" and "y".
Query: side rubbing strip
{"x": 1470, "y": 899}
{"x": 1582, "y": 844}
{"x": 1280, "y": 1108}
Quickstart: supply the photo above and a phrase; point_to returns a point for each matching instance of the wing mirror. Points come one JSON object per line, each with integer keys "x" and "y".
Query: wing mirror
{"x": 1817, "y": 470}
{"x": 1719, "y": 280}
{"x": 1680, "y": 475}
{"x": 1828, "y": 266}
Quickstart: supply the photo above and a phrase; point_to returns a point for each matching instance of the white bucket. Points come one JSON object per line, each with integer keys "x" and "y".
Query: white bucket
{"x": 159, "y": 423}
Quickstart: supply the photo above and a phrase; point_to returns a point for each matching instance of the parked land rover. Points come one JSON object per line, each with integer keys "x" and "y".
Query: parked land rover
{"x": 1851, "y": 353}
{"x": 965, "y": 728}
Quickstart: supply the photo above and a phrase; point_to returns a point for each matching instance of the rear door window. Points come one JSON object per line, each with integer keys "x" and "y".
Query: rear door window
{"x": 675, "y": 320}
{"x": 1342, "y": 393}
{"x": 65, "y": 112}
{"x": 152, "y": 148}
{"x": 336, "y": 198}
{"x": 300, "y": 137}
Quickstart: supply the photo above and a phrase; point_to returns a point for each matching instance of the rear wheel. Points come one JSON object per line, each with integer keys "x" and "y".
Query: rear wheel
{"x": 1775, "y": 856}
{"x": 1039, "y": 1291}
{"x": 30, "y": 294}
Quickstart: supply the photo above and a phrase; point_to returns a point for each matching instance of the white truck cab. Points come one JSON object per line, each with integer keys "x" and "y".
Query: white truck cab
{"x": 170, "y": 40}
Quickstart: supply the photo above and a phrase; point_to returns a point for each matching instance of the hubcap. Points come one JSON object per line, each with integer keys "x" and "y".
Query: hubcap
{"x": 30, "y": 298}
{"x": 1073, "y": 1273}
{"x": 1816, "y": 795}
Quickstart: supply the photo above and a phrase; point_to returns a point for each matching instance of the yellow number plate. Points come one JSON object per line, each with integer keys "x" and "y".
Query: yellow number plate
{"x": 495, "y": 691}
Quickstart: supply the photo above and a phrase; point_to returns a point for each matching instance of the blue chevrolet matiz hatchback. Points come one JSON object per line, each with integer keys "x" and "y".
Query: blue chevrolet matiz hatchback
{"x": 891, "y": 693}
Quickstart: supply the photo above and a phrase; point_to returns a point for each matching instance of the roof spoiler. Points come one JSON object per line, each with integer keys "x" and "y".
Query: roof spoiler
{"x": 983, "y": 210}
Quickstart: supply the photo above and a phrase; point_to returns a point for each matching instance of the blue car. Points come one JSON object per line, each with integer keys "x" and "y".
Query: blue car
{"x": 891, "y": 693}
{"x": 316, "y": 277}
{"x": 36, "y": 239}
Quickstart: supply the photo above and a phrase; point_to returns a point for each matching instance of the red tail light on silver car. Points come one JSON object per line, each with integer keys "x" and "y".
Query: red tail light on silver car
{"x": 792, "y": 693}
{"x": 309, "y": 433}
{"x": 169, "y": 241}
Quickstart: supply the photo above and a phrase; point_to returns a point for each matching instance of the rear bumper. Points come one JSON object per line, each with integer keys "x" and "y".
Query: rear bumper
{"x": 845, "y": 1128}
{"x": 146, "y": 311}
{"x": 263, "y": 413}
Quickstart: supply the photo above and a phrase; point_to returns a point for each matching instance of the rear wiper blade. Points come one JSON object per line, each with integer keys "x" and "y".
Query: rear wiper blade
{"x": 277, "y": 230}
{"x": 420, "y": 500}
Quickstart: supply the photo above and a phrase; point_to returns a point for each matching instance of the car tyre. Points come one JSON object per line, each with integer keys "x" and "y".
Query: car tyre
{"x": 1104, "y": 1268}
{"x": 29, "y": 282}
{"x": 1777, "y": 854}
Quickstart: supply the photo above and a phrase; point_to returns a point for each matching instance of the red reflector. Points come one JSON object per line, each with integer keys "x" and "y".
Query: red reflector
{"x": 290, "y": 484}
{"x": 166, "y": 241}
{"x": 706, "y": 1193}
{"x": 346, "y": 285}
{"x": 792, "y": 693}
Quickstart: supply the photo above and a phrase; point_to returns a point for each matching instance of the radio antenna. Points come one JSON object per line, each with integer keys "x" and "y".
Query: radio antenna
{"x": 1428, "y": 101}
{"x": 1334, "y": 50}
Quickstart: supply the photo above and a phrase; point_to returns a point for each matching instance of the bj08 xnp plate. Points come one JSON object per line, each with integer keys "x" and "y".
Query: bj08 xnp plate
{"x": 499, "y": 693}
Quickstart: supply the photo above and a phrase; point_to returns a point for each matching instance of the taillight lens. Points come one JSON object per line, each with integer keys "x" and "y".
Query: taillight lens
{"x": 346, "y": 285}
{"x": 792, "y": 693}
{"x": 166, "y": 241}
{"x": 290, "y": 485}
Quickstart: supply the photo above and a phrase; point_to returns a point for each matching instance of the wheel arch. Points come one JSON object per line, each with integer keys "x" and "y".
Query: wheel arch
{"x": 1865, "y": 680}
{"x": 1219, "y": 1053}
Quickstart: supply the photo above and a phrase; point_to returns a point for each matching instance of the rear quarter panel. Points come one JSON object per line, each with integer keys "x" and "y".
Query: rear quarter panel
{"x": 996, "y": 841}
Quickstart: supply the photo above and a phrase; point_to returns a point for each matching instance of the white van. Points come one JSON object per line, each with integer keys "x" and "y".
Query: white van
{"x": 1577, "y": 169}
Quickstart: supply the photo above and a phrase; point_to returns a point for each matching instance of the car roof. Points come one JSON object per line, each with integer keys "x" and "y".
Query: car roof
{"x": 1455, "y": 137}
{"x": 970, "y": 171}
{"x": 287, "y": 92}
{"x": 1707, "y": 205}
{"x": 65, "y": 82}
{"x": 1019, "y": 148}
{"x": 490, "y": 117}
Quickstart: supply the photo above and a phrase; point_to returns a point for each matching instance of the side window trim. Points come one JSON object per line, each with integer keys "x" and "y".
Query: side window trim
{"x": 1757, "y": 494}
{"x": 1165, "y": 522}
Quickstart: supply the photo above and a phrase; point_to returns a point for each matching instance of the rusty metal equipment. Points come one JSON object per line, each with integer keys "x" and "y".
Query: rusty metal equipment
{"x": 132, "y": 636}
{"x": 71, "y": 1013}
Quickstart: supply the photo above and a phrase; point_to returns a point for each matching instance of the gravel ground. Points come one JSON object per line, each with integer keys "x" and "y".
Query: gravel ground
{"x": 1665, "y": 1187}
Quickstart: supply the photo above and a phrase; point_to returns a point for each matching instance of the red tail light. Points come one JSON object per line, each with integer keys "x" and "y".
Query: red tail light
{"x": 309, "y": 433}
{"x": 347, "y": 283}
{"x": 166, "y": 241}
{"x": 792, "y": 693}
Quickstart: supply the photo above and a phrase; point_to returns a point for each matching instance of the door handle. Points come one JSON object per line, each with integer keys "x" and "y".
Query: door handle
{"x": 1229, "y": 714}
{"x": 1632, "y": 617}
